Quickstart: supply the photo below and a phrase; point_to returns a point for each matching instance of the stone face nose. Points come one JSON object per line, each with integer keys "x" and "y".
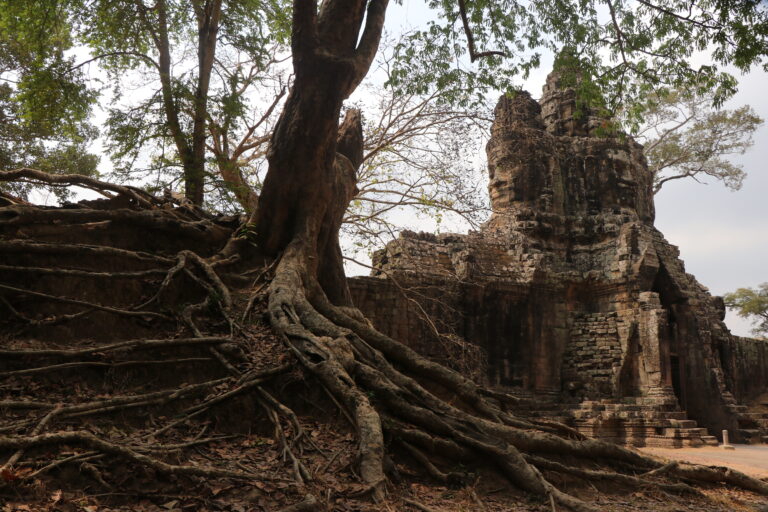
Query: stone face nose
{"x": 551, "y": 158}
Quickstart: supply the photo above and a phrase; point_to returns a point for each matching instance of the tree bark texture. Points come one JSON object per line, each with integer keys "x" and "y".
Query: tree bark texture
{"x": 307, "y": 187}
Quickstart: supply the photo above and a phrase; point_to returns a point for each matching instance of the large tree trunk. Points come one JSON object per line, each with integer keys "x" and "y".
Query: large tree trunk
{"x": 381, "y": 386}
{"x": 191, "y": 149}
{"x": 208, "y": 15}
{"x": 308, "y": 188}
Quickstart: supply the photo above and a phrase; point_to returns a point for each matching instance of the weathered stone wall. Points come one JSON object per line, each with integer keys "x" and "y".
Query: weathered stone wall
{"x": 593, "y": 356}
{"x": 391, "y": 305}
{"x": 745, "y": 363}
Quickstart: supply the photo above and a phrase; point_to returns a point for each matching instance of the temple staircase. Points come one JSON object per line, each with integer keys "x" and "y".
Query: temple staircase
{"x": 640, "y": 421}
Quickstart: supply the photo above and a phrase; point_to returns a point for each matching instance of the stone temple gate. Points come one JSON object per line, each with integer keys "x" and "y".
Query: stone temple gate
{"x": 579, "y": 304}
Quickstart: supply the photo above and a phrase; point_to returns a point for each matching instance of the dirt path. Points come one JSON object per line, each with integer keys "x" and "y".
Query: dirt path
{"x": 750, "y": 459}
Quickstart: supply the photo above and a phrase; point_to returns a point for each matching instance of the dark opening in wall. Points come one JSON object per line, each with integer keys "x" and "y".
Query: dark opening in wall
{"x": 676, "y": 381}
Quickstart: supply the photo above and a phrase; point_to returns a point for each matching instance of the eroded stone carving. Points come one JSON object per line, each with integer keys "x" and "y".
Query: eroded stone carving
{"x": 571, "y": 291}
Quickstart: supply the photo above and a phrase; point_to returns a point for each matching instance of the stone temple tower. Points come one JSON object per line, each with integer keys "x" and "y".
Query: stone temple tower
{"x": 572, "y": 294}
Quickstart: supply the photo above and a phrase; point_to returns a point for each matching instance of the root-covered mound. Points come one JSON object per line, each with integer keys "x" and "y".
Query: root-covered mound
{"x": 151, "y": 359}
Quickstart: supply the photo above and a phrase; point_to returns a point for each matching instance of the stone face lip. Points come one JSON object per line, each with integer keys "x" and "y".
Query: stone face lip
{"x": 571, "y": 293}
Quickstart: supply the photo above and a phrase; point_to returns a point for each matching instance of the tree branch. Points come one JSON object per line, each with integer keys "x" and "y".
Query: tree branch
{"x": 473, "y": 55}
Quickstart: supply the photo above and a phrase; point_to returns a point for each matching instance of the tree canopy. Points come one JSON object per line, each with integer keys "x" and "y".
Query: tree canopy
{"x": 44, "y": 103}
{"x": 627, "y": 48}
{"x": 685, "y": 137}
{"x": 751, "y": 303}
{"x": 211, "y": 69}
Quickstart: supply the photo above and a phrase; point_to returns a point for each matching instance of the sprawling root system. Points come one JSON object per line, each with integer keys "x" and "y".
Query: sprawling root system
{"x": 149, "y": 347}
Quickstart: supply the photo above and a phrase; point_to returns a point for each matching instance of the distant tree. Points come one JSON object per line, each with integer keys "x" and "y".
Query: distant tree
{"x": 751, "y": 303}
{"x": 686, "y": 137}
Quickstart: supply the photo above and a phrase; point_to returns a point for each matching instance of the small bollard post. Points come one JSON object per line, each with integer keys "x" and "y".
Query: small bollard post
{"x": 725, "y": 445}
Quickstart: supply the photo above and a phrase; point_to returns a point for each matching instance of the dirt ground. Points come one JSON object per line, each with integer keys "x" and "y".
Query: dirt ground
{"x": 749, "y": 459}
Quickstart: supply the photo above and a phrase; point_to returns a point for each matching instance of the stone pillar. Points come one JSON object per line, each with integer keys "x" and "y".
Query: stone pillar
{"x": 654, "y": 348}
{"x": 726, "y": 445}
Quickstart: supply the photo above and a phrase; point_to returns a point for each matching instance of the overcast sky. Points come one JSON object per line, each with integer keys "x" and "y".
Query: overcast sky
{"x": 723, "y": 235}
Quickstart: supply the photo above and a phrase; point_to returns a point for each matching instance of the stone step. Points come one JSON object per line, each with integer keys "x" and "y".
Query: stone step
{"x": 682, "y": 423}
{"x": 685, "y": 433}
{"x": 710, "y": 440}
{"x": 673, "y": 415}
{"x": 591, "y": 406}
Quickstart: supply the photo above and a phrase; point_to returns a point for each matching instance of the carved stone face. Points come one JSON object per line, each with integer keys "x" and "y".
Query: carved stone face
{"x": 559, "y": 165}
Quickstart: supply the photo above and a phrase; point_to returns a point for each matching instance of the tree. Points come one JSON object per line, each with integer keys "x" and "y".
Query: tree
{"x": 44, "y": 107}
{"x": 131, "y": 35}
{"x": 381, "y": 385}
{"x": 751, "y": 303}
{"x": 684, "y": 137}
{"x": 310, "y": 182}
{"x": 414, "y": 157}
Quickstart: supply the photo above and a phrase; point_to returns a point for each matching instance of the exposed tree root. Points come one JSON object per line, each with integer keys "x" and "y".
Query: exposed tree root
{"x": 353, "y": 362}
{"x": 30, "y": 248}
{"x": 53, "y": 320}
{"x": 113, "y": 347}
{"x": 591, "y": 475}
{"x": 79, "y": 457}
{"x": 203, "y": 230}
{"x": 36, "y": 431}
{"x": 140, "y": 197}
{"x": 66, "y": 300}
{"x": 418, "y": 505}
{"x": 83, "y": 273}
{"x": 95, "y": 443}
{"x": 99, "y": 364}
{"x": 309, "y": 504}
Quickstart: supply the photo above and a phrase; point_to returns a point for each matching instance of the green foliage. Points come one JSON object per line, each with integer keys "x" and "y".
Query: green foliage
{"x": 751, "y": 303}
{"x": 648, "y": 44}
{"x": 125, "y": 37}
{"x": 247, "y": 231}
{"x": 44, "y": 102}
{"x": 685, "y": 137}
{"x": 626, "y": 52}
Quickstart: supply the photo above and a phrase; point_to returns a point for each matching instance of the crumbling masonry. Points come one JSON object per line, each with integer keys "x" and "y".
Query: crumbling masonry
{"x": 573, "y": 295}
